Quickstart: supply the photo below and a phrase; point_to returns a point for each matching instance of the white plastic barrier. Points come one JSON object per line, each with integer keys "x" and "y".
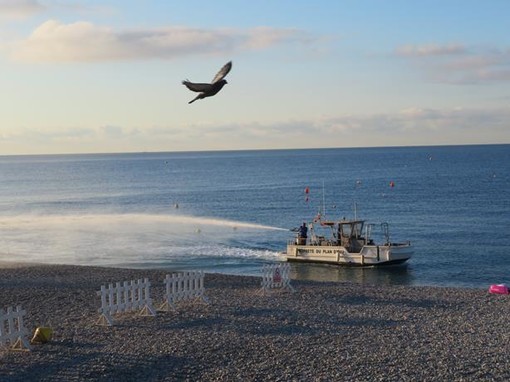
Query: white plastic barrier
{"x": 12, "y": 329}
{"x": 129, "y": 297}
{"x": 276, "y": 276}
{"x": 183, "y": 286}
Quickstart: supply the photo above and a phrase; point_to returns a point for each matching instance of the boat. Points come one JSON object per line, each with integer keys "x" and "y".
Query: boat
{"x": 345, "y": 242}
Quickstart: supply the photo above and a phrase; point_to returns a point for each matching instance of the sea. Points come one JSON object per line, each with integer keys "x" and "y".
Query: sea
{"x": 230, "y": 212}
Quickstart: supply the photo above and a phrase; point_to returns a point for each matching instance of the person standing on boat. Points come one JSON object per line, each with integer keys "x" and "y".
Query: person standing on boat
{"x": 302, "y": 234}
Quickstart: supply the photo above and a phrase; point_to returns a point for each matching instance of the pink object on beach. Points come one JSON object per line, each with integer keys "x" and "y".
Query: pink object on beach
{"x": 499, "y": 289}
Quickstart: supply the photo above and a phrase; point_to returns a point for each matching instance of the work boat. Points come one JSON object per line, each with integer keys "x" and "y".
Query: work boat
{"x": 347, "y": 243}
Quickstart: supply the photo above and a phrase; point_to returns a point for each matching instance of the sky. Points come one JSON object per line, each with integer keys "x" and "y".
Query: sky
{"x": 105, "y": 76}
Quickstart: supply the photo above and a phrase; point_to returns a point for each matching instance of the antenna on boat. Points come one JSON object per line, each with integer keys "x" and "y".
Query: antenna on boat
{"x": 323, "y": 201}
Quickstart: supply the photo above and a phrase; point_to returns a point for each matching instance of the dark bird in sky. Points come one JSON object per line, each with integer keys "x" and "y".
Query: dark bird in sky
{"x": 208, "y": 90}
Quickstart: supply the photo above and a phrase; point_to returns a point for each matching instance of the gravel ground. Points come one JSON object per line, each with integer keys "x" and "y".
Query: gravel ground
{"x": 322, "y": 332}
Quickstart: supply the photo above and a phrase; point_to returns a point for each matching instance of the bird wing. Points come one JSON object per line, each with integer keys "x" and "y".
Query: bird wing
{"x": 197, "y": 87}
{"x": 223, "y": 72}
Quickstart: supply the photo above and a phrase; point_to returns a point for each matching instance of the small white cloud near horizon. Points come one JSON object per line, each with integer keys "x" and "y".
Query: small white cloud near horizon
{"x": 83, "y": 41}
{"x": 430, "y": 50}
{"x": 458, "y": 64}
{"x": 407, "y": 127}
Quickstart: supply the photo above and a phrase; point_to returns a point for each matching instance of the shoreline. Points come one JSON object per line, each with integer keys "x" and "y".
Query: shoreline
{"x": 315, "y": 272}
{"x": 324, "y": 331}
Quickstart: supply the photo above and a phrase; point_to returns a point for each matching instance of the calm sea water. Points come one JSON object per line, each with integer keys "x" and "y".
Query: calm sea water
{"x": 230, "y": 212}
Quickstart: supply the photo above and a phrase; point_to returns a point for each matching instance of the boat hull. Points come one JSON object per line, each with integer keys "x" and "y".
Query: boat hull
{"x": 370, "y": 255}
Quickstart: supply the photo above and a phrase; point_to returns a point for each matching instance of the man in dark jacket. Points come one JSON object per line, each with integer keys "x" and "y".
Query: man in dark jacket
{"x": 302, "y": 234}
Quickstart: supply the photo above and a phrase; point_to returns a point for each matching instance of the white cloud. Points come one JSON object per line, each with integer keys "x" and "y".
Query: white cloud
{"x": 409, "y": 126}
{"x": 18, "y": 9}
{"x": 458, "y": 64}
{"x": 418, "y": 120}
{"x": 430, "y": 50}
{"x": 85, "y": 42}
{"x": 412, "y": 126}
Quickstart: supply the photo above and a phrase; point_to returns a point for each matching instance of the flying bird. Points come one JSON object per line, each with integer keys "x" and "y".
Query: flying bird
{"x": 208, "y": 90}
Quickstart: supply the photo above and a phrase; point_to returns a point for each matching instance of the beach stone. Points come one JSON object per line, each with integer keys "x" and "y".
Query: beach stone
{"x": 325, "y": 331}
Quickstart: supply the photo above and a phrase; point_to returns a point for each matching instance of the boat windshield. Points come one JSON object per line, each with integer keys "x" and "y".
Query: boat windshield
{"x": 351, "y": 229}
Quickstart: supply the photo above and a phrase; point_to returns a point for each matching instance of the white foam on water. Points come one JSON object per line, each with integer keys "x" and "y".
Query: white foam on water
{"x": 106, "y": 239}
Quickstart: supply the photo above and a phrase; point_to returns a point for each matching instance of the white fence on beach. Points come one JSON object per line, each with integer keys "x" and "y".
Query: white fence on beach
{"x": 276, "y": 276}
{"x": 128, "y": 297}
{"x": 12, "y": 329}
{"x": 183, "y": 286}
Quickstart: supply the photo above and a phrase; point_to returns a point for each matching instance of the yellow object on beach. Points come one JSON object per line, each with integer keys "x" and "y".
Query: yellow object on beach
{"x": 42, "y": 335}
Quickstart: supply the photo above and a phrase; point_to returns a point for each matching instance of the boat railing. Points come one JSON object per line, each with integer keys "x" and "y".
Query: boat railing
{"x": 314, "y": 242}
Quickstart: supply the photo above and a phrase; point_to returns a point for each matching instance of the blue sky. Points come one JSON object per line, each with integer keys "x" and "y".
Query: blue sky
{"x": 105, "y": 76}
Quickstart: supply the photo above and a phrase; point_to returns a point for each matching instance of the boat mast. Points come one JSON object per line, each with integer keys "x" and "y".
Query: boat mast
{"x": 323, "y": 201}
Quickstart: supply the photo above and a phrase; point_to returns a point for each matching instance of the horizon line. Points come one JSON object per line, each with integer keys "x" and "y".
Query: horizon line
{"x": 248, "y": 150}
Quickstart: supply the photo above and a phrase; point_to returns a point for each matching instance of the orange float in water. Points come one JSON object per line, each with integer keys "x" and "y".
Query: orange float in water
{"x": 307, "y": 192}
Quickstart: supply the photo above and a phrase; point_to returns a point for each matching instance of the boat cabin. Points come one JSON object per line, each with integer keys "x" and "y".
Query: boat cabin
{"x": 350, "y": 235}
{"x": 346, "y": 233}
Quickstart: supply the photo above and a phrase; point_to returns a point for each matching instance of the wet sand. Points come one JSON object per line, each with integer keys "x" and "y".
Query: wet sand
{"x": 325, "y": 331}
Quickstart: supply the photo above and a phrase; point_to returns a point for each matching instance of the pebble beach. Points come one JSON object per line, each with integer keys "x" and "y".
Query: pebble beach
{"x": 324, "y": 331}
